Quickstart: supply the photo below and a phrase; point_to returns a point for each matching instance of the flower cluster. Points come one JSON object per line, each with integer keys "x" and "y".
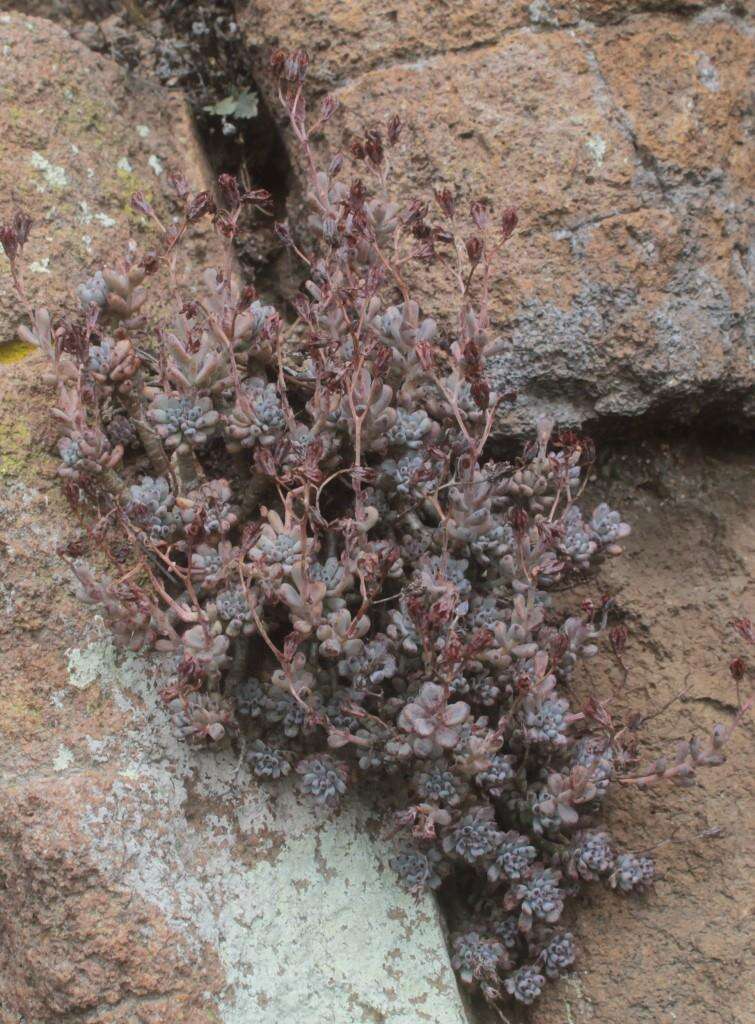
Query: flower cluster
{"x": 352, "y": 585}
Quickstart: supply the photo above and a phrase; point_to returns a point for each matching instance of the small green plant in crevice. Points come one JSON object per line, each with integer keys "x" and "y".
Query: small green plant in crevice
{"x": 308, "y": 518}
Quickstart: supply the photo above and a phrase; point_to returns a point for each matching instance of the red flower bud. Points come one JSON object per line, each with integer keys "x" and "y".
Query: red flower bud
{"x": 329, "y": 107}
{"x": 282, "y": 233}
{"x": 229, "y": 189}
{"x": 474, "y": 250}
{"x": 509, "y": 221}
{"x": 291, "y": 67}
{"x": 373, "y": 147}
{"x": 200, "y": 205}
{"x": 180, "y": 184}
{"x": 618, "y": 637}
{"x": 738, "y": 667}
{"x": 150, "y": 263}
{"x": 394, "y": 129}
{"x": 480, "y": 392}
{"x": 519, "y": 520}
{"x": 445, "y": 201}
{"x": 9, "y": 241}
{"x": 480, "y": 213}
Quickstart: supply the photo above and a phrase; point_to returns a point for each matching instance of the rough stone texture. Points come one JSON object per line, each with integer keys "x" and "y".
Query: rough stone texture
{"x": 61, "y": 10}
{"x": 130, "y": 869}
{"x": 142, "y": 881}
{"x": 80, "y": 136}
{"x": 620, "y": 133}
{"x": 684, "y": 952}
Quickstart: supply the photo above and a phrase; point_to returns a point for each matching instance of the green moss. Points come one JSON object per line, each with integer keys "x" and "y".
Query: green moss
{"x": 128, "y": 183}
{"x": 15, "y": 440}
{"x": 14, "y": 351}
{"x": 14, "y": 114}
{"x": 20, "y": 715}
{"x": 85, "y": 112}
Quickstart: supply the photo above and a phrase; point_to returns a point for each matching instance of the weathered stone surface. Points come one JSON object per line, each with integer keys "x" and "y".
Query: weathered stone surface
{"x": 146, "y": 882}
{"x": 625, "y": 291}
{"x": 80, "y": 136}
{"x": 61, "y": 10}
{"x": 684, "y": 953}
{"x": 346, "y": 38}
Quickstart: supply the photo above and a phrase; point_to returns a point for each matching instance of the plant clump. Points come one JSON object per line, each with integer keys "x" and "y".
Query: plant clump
{"x": 308, "y": 517}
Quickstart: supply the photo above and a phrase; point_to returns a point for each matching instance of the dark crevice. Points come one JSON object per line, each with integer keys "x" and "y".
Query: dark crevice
{"x": 713, "y": 425}
{"x": 252, "y": 149}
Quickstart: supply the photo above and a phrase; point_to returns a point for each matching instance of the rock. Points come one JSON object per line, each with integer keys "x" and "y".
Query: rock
{"x": 147, "y": 882}
{"x": 80, "y": 136}
{"x": 684, "y": 952}
{"x": 621, "y": 141}
{"x": 62, "y": 10}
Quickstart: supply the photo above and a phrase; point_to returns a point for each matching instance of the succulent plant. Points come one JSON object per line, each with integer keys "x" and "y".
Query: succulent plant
{"x": 184, "y": 422}
{"x": 545, "y": 721}
{"x": 439, "y": 785}
{"x": 477, "y": 957}
{"x": 418, "y": 868}
{"x": 203, "y": 718}
{"x": 323, "y": 779}
{"x": 507, "y": 930}
{"x": 234, "y": 610}
{"x": 257, "y": 417}
{"x": 152, "y": 505}
{"x": 497, "y": 774}
{"x": 251, "y": 698}
{"x": 513, "y": 858}
{"x": 633, "y": 872}
{"x": 475, "y": 837}
{"x": 558, "y": 954}
{"x": 592, "y": 856}
{"x": 330, "y": 516}
{"x": 113, "y": 363}
{"x": 538, "y": 897}
{"x": 267, "y": 762}
{"x": 525, "y": 985}
{"x": 293, "y": 716}
{"x": 433, "y": 723}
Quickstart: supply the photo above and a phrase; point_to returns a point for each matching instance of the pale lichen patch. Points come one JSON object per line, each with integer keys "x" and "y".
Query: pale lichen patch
{"x": 54, "y": 174}
{"x": 597, "y": 146}
{"x": 63, "y": 760}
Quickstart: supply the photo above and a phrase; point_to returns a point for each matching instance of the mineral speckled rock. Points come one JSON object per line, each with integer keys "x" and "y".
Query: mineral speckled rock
{"x": 147, "y": 882}
{"x": 619, "y": 132}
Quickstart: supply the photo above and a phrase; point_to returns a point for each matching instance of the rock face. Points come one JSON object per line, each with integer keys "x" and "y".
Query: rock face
{"x": 685, "y": 952}
{"x": 143, "y": 883}
{"x": 146, "y": 882}
{"x": 619, "y": 133}
{"x": 80, "y": 136}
